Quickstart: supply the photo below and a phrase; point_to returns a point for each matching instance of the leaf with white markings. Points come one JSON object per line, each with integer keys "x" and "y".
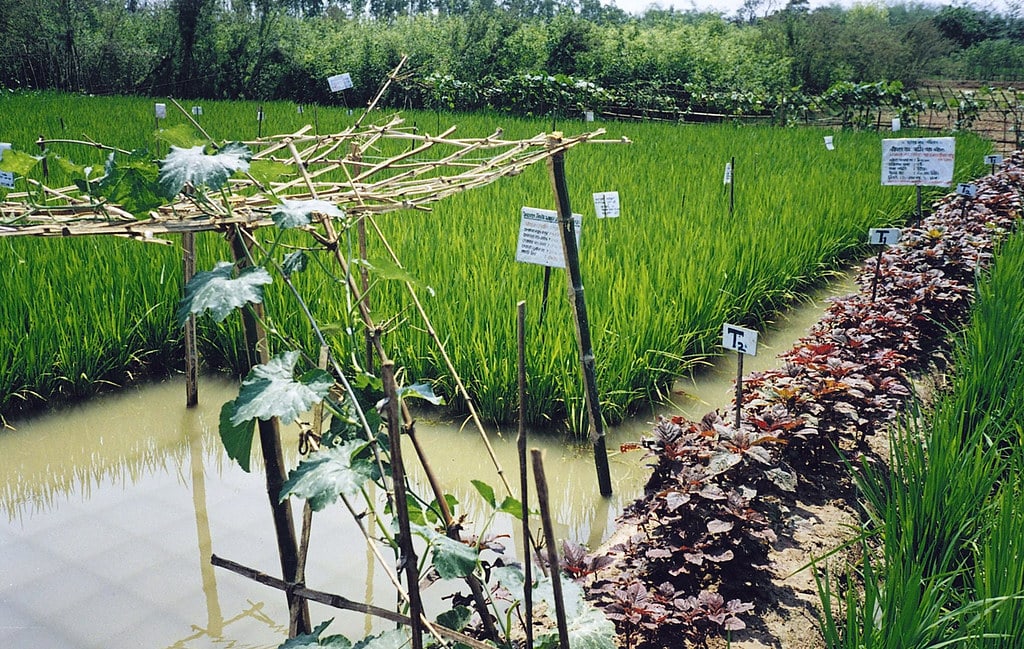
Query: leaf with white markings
{"x": 216, "y": 291}
{"x": 328, "y": 472}
{"x": 297, "y": 214}
{"x": 193, "y": 166}
{"x": 271, "y": 390}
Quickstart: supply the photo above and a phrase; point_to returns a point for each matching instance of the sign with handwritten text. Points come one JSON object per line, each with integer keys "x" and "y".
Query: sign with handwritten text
{"x": 539, "y": 239}
{"x": 739, "y": 339}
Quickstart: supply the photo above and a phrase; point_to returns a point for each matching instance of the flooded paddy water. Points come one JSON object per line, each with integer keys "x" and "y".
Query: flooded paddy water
{"x": 110, "y": 510}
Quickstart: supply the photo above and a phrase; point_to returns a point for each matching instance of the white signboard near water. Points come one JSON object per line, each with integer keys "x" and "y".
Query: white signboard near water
{"x": 739, "y": 339}
{"x": 918, "y": 161}
{"x": 539, "y": 239}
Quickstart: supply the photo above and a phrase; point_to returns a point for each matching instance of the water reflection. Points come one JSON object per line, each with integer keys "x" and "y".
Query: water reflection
{"x": 110, "y": 506}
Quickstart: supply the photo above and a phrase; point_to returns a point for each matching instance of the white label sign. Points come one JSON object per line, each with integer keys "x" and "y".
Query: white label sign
{"x": 829, "y": 143}
{"x": 606, "y": 204}
{"x": 539, "y": 239}
{"x": 161, "y": 111}
{"x": 970, "y": 190}
{"x": 7, "y": 179}
{"x": 884, "y": 236}
{"x": 588, "y": 115}
{"x": 993, "y": 159}
{"x": 340, "y": 82}
{"x": 259, "y": 116}
{"x": 197, "y": 110}
{"x": 727, "y": 178}
{"x": 299, "y": 109}
{"x": 918, "y": 161}
{"x": 3, "y": 147}
{"x": 896, "y": 124}
{"x": 739, "y": 339}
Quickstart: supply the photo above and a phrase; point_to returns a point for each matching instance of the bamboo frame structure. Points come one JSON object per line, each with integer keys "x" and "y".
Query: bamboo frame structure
{"x": 344, "y": 169}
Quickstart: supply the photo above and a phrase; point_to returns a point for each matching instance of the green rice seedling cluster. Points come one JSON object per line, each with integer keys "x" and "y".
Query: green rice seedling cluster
{"x": 950, "y": 516}
{"x": 659, "y": 280}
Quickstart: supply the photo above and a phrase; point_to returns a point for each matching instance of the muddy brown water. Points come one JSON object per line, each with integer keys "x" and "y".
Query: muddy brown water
{"x": 110, "y": 510}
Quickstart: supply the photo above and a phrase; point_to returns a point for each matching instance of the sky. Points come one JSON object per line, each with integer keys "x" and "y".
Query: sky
{"x": 729, "y": 7}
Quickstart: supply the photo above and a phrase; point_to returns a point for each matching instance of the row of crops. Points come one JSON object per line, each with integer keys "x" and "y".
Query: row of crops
{"x": 660, "y": 279}
{"x": 949, "y": 517}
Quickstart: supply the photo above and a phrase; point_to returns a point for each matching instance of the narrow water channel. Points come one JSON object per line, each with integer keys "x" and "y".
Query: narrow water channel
{"x": 110, "y": 510}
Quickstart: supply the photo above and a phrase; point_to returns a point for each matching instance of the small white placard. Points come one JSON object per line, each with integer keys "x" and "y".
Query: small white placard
{"x": 970, "y": 190}
{"x": 830, "y": 143}
{"x": 161, "y": 111}
{"x": 588, "y": 115}
{"x": 739, "y": 339}
{"x": 727, "y": 178}
{"x": 539, "y": 239}
{"x": 197, "y": 110}
{"x": 259, "y": 116}
{"x": 299, "y": 109}
{"x": 7, "y": 179}
{"x": 918, "y": 161}
{"x": 993, "y": 159}
{"x": 340, "y": 82}
{"x": 896, "y": 124}
{"x": 3, "y": 147}
{"x": 606, "y": 204}
{"x": 884, "y": 236}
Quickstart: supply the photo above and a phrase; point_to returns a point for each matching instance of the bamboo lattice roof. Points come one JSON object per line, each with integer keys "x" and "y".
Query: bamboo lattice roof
{"x": 344, "y": 168}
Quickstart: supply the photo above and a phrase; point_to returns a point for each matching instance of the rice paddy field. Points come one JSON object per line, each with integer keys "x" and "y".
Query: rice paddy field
{"x": 660, "y": 280}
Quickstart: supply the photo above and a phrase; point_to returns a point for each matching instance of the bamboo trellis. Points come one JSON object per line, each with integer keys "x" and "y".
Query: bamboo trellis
{"x": 338, "y": 168}
{"x": 346, "y": 169}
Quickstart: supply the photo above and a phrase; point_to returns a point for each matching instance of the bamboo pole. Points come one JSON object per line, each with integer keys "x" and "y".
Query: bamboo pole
{"x": 524, "y": 478}
{"x": 188, "y": 263}
{"x": 549, "y": 544}
{"x": 258, "y": 352}
{"x": 556, "y": 165}
{"x": 408, "y": 558}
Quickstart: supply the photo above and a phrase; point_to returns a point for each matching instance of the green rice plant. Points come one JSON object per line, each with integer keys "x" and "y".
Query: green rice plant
{"x": 949, "y": 513}
{"x": 659, "y": 281}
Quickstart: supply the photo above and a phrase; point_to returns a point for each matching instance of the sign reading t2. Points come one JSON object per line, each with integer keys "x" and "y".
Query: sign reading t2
{"x": 739, "y": 339}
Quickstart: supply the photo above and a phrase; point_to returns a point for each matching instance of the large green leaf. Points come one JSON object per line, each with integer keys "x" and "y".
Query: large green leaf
{"x": 237, "y": 439}
{"x": 420, "y": 391}
{"x": 392, "y": 639}
{"x": 588, "y": 627}
{"x": 131, "y": 183}
{"x": 216, "y": 291}
{"x": 18, "y": 162}
{"x": 297, "y": 214}
{"x": 193, "y": 166}
{"x": 271, "y": 390}
{"x": 328, "y": 472}
{"x": 453, "y": 560}
{"x": 315, "y": 639}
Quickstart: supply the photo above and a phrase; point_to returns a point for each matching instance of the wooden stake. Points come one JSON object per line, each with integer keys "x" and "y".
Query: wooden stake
{"x": 258, "y": 352}
{"x": 549, "y": 543}
{"x": 732, "y": 185}
{"x": 739, "y": 390}
{"x": 556, "y": 165}
{"x": 524, "y": 478}
{"x": 408, "y": 557}
{"x": 878, "y": 275}
{"x": 188, "y": 263}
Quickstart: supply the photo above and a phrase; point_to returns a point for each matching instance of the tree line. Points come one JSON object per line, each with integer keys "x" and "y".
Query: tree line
{"x": 285, "y": 49}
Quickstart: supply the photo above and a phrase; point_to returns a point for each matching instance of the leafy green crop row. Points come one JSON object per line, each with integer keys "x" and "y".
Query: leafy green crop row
{"x": 660, "y": 280}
